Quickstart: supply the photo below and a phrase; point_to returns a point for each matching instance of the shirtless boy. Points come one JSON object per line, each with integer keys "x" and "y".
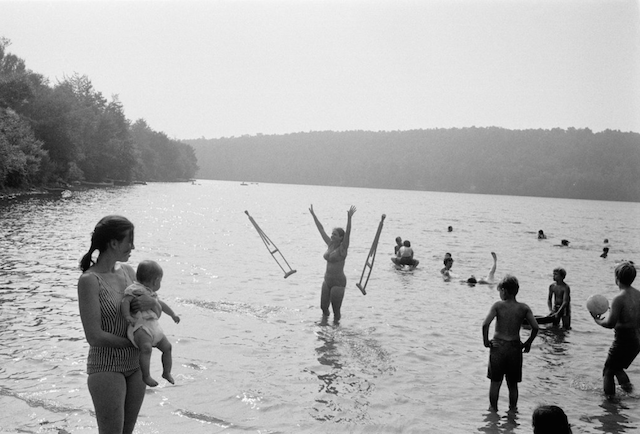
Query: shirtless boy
{"x": 559, "y": 299}
{"x": 624, "y": 317}
{"x": 505, "y": 356}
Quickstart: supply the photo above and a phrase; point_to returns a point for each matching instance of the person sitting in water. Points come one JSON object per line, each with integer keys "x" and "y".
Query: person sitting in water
{"x": 446, "y": 271}
{"x": 563, "y": 243}
{"x": 487, "y": 280}
{"x": 541, "y": 235}
{"x": 398, "y": 246}
{"x": 605, "y": 252}
{"x": 405, "y": 255}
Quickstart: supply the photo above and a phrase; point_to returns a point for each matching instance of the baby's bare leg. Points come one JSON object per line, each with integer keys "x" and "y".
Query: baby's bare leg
{"x": 143, "y": 341}
{"x": 167, "y": 361}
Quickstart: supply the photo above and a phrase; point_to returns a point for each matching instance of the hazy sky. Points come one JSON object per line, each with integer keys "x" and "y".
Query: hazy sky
{"x": 228, "y": 68}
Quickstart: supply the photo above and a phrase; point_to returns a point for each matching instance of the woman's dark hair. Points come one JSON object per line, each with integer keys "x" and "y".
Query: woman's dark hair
{"x": 111, "y": 227}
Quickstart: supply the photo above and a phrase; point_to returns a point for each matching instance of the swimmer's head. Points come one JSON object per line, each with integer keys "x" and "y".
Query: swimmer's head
{"x": 606, "y": 240}
{"x": 509, "y": 284}
{"x": 605, "y": 249}
{"x": 565, "y": 242}
{"x": 399, "y": 241}
{"x": 625, "y": 273}
{"x": 406, "y": 243}
{"x": 450, "y": 228}
{"x": 472, "y": 279}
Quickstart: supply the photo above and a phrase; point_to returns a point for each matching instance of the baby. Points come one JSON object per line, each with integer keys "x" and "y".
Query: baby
{"x": 144, "y": 330}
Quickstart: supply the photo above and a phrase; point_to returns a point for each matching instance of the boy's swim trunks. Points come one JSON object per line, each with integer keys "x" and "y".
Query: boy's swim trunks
{"x": 624, "y": 349}
{"x": 505, "y": 359}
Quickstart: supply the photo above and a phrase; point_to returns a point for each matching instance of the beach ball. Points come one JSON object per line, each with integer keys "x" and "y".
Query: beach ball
{"x": 597, "y": 304}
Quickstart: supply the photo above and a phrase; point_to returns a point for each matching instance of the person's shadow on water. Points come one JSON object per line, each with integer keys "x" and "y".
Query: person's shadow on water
{"x": 496, "y": 424}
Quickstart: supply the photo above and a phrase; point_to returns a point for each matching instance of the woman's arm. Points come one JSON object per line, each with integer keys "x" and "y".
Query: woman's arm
{"x": 347, "y": 233}
{"x": 324, "y": 235}
{"x": 89, "y": 304}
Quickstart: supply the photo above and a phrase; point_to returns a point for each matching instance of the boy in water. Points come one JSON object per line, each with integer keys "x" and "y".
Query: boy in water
{"x": 559, "y": 299}
{"x": 505, "y": 357}
{"x": 144, "y": 330}
{"x": 624, "y": 317}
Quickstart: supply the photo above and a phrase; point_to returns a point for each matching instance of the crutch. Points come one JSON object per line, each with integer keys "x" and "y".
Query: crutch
{"x": 370, "y": 258}
{"x": 272, "y": 248}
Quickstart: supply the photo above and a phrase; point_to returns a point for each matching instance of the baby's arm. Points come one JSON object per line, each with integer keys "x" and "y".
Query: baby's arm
{"x": 125, "y": 309}
{"x": 166, "y": 309}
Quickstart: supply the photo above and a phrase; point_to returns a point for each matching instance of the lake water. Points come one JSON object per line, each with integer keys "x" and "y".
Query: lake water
{"x": 251, "y": 354}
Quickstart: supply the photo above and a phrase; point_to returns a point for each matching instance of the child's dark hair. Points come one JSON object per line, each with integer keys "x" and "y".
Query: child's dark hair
{"x": 510, "y": 284}
{"x": 111, "y": 227}
{"x": 626, "y": 272}
{"x": 406, "y": 243}
{"x": 548, "y": 419}
{"x": 148, "y": 271}
{"x": 561, "y": 271}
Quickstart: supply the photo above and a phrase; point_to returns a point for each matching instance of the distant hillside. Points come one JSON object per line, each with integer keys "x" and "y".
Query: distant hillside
{"x": 573, "y": 163}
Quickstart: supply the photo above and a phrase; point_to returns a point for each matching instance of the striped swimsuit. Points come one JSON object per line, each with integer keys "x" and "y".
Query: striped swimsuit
{"x": 111, "y": 359}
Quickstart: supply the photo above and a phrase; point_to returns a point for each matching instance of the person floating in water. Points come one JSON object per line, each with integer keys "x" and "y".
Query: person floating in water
{"x": 335, "y": 280}
{"x": 489, "y": 279}
{"x": 563, "y": 243}
{"x": 405, "y": 255}
{"x": 541, "y": 235}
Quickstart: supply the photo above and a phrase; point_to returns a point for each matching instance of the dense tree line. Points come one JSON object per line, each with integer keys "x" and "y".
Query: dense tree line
{"x": 69, "y": 132}
{"x": 572, "y": 163}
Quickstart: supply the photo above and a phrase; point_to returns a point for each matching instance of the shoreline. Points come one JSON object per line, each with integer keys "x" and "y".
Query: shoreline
{"x": 7, "y": 194}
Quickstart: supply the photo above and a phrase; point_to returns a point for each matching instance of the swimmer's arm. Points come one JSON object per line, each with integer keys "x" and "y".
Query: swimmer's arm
{"x": 485, "y": 326}
{"x": 89, "y": 304}
{"x": 526, "y": 347}
{"x": 323, "y": 233}
{"x": 166, "y": 309}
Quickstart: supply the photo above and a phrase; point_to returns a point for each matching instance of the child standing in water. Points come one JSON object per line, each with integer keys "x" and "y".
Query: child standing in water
{"x": 559, "y": 299}
{"x": 144, "y": 330}
{"x": 505, "y": 357}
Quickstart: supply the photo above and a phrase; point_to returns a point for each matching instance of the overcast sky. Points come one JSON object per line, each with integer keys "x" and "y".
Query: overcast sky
{"x": 228, "y": 68}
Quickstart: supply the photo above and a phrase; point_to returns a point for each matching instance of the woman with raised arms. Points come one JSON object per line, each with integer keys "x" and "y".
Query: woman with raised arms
{"x": 335, "y": 280}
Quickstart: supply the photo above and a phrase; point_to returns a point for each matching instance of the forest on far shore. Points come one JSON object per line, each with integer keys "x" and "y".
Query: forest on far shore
{"x": 53, "y": 134}
{"x": 571, "y": 163}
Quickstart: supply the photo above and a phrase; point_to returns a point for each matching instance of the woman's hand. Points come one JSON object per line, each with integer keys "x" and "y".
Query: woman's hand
{"x": 311, "y": 210}
{"x": 145, "y": 302}
{"x": 351, "y": 211}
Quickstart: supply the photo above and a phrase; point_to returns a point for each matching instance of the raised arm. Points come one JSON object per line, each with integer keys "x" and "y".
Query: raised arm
{"x": 325, "y": 237}
{"x": 347, "y": 233}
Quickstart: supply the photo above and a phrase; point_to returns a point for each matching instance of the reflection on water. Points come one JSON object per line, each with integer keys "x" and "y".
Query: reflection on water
{"x": 406, "y": 358}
